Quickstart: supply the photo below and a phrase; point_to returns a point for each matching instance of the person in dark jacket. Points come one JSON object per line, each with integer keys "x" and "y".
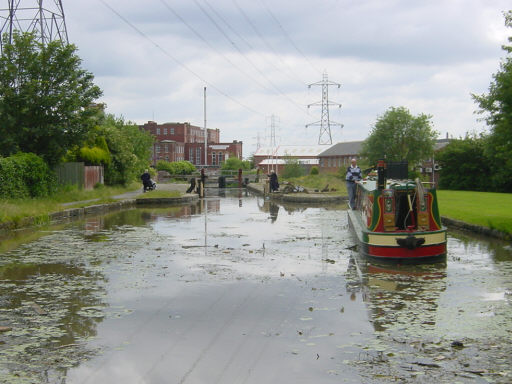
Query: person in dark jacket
{"x": 146, "y": 180}
{"x": 354, "y": 175}
{"x": 274, "y": 183}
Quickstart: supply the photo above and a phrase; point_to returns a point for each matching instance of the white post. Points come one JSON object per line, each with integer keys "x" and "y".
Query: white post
{"x": 205, "y": 132}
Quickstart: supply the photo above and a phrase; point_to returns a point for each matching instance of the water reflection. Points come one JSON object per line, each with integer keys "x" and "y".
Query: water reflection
{"x": 398, "y": 296}
{"x": 198, "y": 288}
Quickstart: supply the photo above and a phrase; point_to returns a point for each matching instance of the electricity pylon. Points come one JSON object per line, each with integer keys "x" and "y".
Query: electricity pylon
{"x": 45, "y": 20}
{"x": 325, "y": 123}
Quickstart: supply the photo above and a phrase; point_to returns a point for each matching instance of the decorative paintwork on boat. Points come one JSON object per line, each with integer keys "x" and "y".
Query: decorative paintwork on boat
{"x": 398, "y": 219}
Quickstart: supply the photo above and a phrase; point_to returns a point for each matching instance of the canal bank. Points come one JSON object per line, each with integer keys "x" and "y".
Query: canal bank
{"x": 126, "y": 200}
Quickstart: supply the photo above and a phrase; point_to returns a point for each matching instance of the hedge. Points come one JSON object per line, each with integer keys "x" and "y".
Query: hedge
{"x": 25, "y": 175}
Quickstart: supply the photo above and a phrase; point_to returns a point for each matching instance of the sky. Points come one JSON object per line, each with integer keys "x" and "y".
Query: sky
{"x": 257, "y": 58}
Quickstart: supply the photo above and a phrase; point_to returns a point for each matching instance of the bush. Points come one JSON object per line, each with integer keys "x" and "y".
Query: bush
{"x": 176, "y": 167}
{"x": 25, "y": 175}
{"x": 94, "y": 156}
{"x": 293, "y": 169}
{"x": 234, "y": 164}
{"x": 314, "y": 171}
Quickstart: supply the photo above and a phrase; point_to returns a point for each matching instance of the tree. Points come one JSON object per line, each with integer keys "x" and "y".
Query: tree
{"x": 464, "y": 165}
{"x": 129, "y": 148}
{"x": 45, "y": 98}
{"x": 234, "y": 163}
{"x": 293, "y": 168}
{"x": 397, "y": 136}
{"x": 497, "y": 105}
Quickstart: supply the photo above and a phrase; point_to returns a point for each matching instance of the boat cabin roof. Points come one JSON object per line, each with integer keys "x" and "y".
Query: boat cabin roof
{"x": 400, "y": 185}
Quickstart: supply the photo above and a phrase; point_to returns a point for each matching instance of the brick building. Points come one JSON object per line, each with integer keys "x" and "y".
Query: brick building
{"x": 183, "y": 141}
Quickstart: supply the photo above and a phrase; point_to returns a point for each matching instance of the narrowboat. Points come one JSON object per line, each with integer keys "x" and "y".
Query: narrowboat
{"x": 397, "y": 219}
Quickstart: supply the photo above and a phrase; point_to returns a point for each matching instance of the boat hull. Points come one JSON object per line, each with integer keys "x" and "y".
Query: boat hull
{"x": 416, "y": 245}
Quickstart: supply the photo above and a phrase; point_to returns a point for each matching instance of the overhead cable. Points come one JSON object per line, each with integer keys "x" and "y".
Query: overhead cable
{"x": 219, "y": 28}
{"x": 253, "y": 26}
{"x": 288, "y": 37}
{"x": 184, "y": 66}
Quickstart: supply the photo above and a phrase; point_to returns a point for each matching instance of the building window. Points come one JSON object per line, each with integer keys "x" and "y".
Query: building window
{"x": 166, "y": 147}
{"x": 171, "y": 131}
{"x": 198, "y": 155}
{"x": 214, "y": 158}
{"x": 220, "y": 158}
{"x": 166, "y": 158}
{"x": 165, "y": 131}
{"x": 157, "y": 148}
{"x": 158, "y": 131}
{"x": 191, "y": 155}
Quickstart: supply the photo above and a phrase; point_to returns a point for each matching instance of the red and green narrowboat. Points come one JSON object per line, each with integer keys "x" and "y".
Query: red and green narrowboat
{"x": 397, "y": 219}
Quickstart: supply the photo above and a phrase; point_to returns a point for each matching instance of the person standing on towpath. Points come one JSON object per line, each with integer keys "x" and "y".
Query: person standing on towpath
{"x": 353, "y": 177}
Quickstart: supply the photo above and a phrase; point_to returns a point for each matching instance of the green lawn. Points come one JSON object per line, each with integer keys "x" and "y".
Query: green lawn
{"x": 492, "y": 210}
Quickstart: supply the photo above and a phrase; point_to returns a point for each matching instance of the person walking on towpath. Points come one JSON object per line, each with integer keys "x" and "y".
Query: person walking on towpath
{"x": 353, "y": 177}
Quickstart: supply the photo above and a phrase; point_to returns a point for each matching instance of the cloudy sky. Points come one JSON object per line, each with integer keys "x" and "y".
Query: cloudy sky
{"x": 153, "y": 58}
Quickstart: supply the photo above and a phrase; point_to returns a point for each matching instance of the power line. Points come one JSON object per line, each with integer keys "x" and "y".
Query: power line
{"x": 173, "y": 11}
{"x": 300, "y": 107}
{"x": 253, "y": 26}
{"x": 179, "y": 62}
{"x": 288, "y": 37}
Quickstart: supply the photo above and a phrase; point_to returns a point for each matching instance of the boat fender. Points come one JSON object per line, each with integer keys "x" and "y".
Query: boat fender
{"x": 410, "y": 242}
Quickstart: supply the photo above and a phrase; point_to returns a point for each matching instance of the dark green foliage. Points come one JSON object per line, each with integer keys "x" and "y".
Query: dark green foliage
{"x": 292, "y": 168}
{"x": 314, "y": 171}
{"x": 464, "y": 165}
{"x": 130, "y": 150}
{"x": 45, "y": 98}
{"x": 497, "y": 106}
{"x": 176, "y": 167}
{"x": 25, "y": 175}
{"x": 397, "y": 136}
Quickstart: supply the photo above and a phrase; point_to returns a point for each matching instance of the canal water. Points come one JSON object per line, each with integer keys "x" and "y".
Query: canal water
{"x": 236, "y": 289}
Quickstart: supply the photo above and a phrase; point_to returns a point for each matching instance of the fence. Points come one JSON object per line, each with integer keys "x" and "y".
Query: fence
{"x": 79, "y": 174}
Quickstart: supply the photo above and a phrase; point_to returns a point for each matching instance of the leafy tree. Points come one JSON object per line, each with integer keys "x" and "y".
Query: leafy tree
{"x": 45, "y": 98}
{"x": 234, "y": 163}
{"x": 129, "y": 147}
{"x": 292, "y": 168}
{"x": 464, "y": 165}
{"x": 397, "y": 136}
{"x": 497, "y": 105}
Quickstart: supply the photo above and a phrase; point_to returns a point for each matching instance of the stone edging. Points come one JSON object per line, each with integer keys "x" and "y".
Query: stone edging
{"x": 167, "y": 200}
{"x": 475, "y": 228}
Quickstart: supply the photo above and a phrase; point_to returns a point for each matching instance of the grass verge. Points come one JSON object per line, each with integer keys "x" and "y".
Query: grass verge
{"x": 159, "y": 195}
{"x": 14, "y": 210}
{"x": 491, "y": 210}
